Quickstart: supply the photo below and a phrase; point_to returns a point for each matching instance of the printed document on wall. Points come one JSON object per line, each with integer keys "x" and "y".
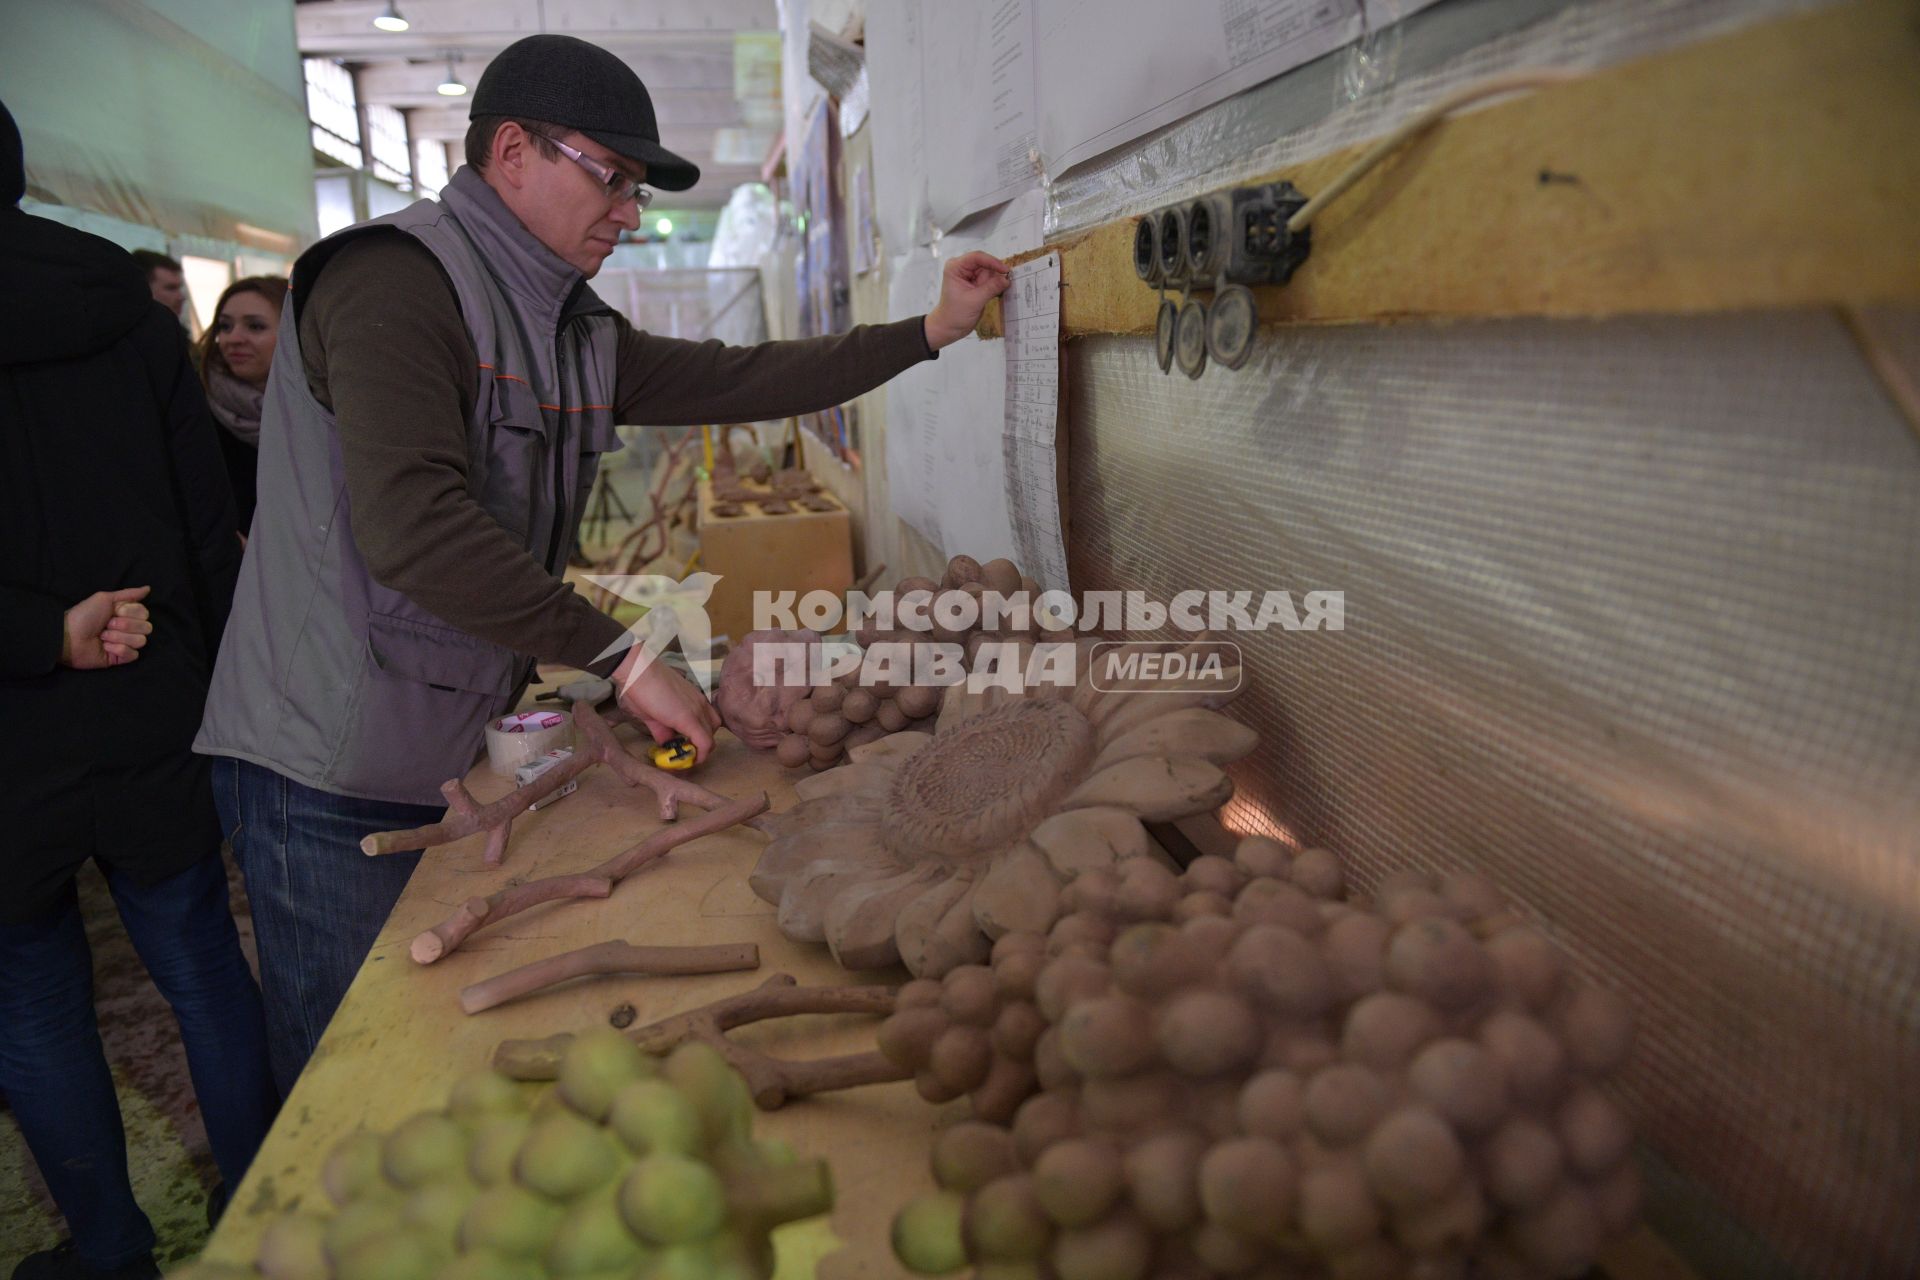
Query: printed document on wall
{"x": 1112, "y": 70}
{"x": 978, "y": 68}
{"x": 1030, "y": 309}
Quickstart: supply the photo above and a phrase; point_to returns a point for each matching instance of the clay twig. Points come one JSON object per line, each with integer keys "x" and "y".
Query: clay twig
{"x": 465, "y": 815}
{"x": 474, "y": 912}
{"x": 772, "y": 1081}
{"x": 609, "y": 957}
{"x": 671, "y": 789}
{"x": 595, "y": 738}
{"x": 596, "y": 745}
{"x": 455, "y": 929}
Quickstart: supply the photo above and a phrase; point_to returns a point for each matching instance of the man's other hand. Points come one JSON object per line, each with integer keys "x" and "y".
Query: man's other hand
{"x": 106, "y": 629}
{"x": 666, "y": 703}
{"x": 966, "y": 283}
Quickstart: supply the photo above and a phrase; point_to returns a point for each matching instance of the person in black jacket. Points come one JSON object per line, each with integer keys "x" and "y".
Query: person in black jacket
{"x": 117, "y": 565}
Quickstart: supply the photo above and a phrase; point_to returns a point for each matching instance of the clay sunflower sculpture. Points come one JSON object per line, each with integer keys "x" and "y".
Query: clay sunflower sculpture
{"x": 928, "y": 846}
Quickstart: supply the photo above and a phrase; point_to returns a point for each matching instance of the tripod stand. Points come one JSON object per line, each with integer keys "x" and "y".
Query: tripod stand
{"x": 600, "y": 507}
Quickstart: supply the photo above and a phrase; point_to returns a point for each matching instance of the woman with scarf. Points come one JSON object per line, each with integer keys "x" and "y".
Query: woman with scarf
{"x": 235, "y": 353}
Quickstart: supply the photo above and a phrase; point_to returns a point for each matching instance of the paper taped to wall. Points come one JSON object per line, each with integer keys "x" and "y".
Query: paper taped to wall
{"x": 1031, "y": 312}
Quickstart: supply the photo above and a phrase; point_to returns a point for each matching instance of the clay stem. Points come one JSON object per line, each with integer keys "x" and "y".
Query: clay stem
{"x": 668, "y": 788}
{"x": 474, "y": 912}
{"x": 608, "y": 957}
{"x": 730, "y": 813}
{"x": 531, "y": 1059}
{"x": 464, "y": 817}
{"x": 596, "y": 745}
{"x": 772, "y": 1081}
{"x": 768, "y": 1197}
{"x": 778, "y": 997}
{"x": 451, "y": 932}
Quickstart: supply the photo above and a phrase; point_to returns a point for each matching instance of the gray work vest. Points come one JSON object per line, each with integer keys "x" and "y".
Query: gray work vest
{"x": 328, "y": 677}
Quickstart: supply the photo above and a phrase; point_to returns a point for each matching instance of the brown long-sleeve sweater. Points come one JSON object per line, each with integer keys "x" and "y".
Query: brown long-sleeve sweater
{"x": 386, "y": 351}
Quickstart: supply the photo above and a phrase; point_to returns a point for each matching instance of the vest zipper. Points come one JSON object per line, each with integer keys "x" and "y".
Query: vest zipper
{"x": 557, "y": 555}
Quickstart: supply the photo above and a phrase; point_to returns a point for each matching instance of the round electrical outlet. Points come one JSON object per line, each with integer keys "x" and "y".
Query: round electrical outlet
{"x": 1190, "y": 339}
{"x": 1146, "y": 249}
{"x": 1232, "y": 322}
{"x": 1164, "y": 325}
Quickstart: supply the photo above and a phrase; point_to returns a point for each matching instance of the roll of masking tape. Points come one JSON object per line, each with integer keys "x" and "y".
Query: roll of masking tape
{"x": 524, "y": 736}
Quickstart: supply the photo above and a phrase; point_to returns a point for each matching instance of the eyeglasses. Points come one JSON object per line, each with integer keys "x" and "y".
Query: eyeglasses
{"x": 617, "y": 186}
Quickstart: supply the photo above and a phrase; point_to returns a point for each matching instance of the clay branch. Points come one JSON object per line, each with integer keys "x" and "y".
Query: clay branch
{"x": 474, "y": 912}
{"x": 465, "y": 815}
{"x": 670, "y": 789}
{"x": 609, "y": 957}
{"x": 771, "y": 1080}
{"x": 596, "y": 745}
{"x": 451, "y": 932}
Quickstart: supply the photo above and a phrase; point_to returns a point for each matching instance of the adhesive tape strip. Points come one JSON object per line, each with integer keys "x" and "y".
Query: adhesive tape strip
{"x": 523, "y": 736}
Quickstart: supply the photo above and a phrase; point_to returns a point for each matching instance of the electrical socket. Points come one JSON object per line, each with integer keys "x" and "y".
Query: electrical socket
{"x": 1237, "y": 236}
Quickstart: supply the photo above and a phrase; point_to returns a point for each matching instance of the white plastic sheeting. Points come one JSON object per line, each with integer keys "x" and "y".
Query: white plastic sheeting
{"x": 183, "y": 115}
{"x": 1360, "y": 91}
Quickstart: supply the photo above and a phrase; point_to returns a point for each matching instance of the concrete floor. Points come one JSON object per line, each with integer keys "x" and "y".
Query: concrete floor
{"x": 166, "y": 1142}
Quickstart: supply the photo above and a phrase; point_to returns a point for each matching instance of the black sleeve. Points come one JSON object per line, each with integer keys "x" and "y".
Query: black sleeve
{"x": 32, "y": 629}
{"x": 243, "y": 476}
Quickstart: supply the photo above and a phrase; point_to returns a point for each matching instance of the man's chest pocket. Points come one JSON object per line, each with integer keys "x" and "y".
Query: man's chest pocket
{"x": 510, "y": 472}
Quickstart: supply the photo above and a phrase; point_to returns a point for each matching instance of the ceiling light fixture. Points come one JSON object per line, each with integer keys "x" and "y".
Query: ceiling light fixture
{"x": 664, "y": 226}
{"x": 452, "y": 87}
{"x": 389, "y": 19}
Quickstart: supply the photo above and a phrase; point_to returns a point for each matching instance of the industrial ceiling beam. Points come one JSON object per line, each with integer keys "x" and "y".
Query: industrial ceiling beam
{"x": 344, "y": 28}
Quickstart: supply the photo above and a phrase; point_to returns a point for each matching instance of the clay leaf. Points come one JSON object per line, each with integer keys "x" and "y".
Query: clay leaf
{"x": 1019, "y": 894}
{"x": 1097, "y": 836}
{"x": 789, "y": 856}
{"x": 808, "y": 894}
{"x": 1121, "y": 713}
{"x": 1155, "y": 789}
{"x": 849, "y": 780}
{"x": 807, "y": 813}
{"x": 936, "y": 931}
{"x": 860, "y": 923}
{"x": 1199, "y": 732}
{"x": 892, "y": 749}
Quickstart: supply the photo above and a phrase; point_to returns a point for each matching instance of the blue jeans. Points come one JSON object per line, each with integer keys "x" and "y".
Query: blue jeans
{"x": 318, "y": 902}
{"x": 54, "y": 1071}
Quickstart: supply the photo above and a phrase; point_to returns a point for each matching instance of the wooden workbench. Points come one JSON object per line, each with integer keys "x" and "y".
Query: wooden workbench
{"x": 400, "y": 1040}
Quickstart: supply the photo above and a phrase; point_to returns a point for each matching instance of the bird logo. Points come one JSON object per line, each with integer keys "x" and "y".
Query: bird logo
{"x": 673, "y": 607}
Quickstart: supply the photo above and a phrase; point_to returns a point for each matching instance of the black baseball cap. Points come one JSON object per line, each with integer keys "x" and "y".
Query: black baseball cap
{"x": 566, "y": 81}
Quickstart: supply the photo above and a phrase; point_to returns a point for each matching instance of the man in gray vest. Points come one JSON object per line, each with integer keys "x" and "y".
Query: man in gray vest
{"x": 445, "y": 386}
